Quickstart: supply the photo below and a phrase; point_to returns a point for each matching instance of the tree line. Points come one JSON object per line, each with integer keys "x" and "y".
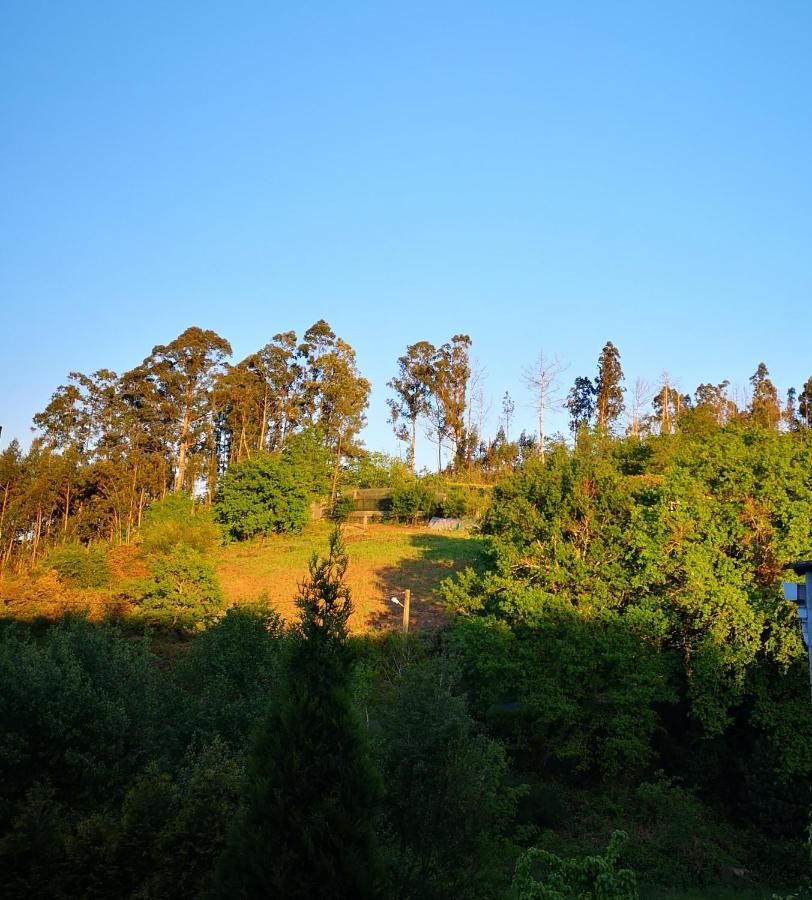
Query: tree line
{"x": 108, "y": 444}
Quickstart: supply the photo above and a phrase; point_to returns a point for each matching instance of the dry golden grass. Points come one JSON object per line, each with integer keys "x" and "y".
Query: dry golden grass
{"x": 384, "y": 560}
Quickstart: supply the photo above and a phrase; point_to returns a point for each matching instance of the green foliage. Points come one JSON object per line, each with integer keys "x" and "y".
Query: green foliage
{"x": 219, "y": 688}
{"x": 375, "y": 470}
{"x": 174, "y": 521}
{"x": 446, "y": 800}
{"x": 79, "y": 566}
{"x": 181, "y": 590}
{"x": 74, "y": 705}
{"x": 312, "y": 462}
{"x": 541, "y": 875}
{"x": 342, "y": 507}
{"x": 262, "y": 495}
{"x": 413, "y": 500}
{"x": 306, "y": 822}
{"x": 455, "y": 504}
{"x": 679, "y": 565}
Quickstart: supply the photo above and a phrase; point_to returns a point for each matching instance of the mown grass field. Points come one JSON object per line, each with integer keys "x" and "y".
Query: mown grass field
{"x": 384, "y": 560}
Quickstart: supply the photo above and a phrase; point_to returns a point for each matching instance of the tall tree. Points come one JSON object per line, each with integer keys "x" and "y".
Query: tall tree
{"x": 805, "y": 403}
{"x": 183, "y": 373}
{"x": 608, "y": 387}
{"x": 641, "y": 395}
{"x": 336, "y": 392}
{"x": 668, "y": 405}
{"x": 712, "y": 402}
{"x": 790, "y": 413}
{"x": 542, "y": 380}
{"x": 451, "y": 373}
{"x": 412, "y": 386}
{"x": 765, "y": 410}
{"x": 581, "y": 403}
{"x": 508, "y": 409}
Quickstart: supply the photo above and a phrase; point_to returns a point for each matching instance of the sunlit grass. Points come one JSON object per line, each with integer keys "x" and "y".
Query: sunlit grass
{"x": 384, "y": 560}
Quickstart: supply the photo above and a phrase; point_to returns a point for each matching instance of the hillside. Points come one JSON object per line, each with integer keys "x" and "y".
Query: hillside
{"x": 385, "y": 560}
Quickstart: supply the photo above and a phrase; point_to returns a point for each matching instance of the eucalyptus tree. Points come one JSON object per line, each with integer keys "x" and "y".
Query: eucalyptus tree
{"x": 805, "y": 404}
{"x": 765, "y": 409}
{"x": 412, "y": 387}
{"x": 335, "y": 394}
{"x": 183, "y": 373}
{"x": 452, "y": 369}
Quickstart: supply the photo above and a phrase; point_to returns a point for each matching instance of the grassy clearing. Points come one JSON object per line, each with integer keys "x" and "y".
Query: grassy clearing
{"x": 384, "y": 560}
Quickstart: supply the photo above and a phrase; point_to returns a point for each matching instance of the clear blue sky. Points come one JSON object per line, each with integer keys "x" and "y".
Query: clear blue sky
{"x": 534, "y": 174}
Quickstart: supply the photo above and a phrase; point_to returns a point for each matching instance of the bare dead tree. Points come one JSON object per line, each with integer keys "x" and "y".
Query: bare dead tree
{"x": 542, "y": 380}
{"x": 641, "y": 395}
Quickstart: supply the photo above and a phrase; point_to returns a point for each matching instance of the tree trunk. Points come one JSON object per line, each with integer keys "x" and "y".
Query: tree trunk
{"x": 336, "y": 465}
{"x": 183, "y": 443}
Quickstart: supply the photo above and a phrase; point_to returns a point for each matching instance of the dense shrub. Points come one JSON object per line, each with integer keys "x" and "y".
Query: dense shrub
{"x": 447, "y": 800}
{"x": 541, "y": 875}
{"x": 180, "y": 591}
{"x": 413, "y": 500}
{"x": 75, "y": 705}
{"x": 177, "y": 520}
{"x": 262, "y": 495}
{"x": 219, "y": 689}
{"x": 376, "y": 470}
{"x": 79, "y": 566}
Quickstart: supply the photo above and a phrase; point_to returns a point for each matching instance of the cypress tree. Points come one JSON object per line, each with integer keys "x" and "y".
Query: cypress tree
{"x": 306, "y": 825}
{"x": 608, "y": 390}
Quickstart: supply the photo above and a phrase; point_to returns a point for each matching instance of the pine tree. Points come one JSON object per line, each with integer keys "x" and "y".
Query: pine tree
{"x": 306, "y": 823}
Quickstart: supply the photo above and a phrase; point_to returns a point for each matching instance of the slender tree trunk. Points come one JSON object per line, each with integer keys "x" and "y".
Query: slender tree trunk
{"x": 412, "y": 441}
{"x": 336, "y": 465}
{"x": 180, "y": 472}
{"x": 37, "y": 534}
{"x": 65, "y": 515}
{"x": 263, "y": 427}
{"x": 5, "y": 506}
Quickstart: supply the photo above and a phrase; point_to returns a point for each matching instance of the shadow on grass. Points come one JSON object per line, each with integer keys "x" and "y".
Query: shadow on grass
{"x": 441, "y": 555}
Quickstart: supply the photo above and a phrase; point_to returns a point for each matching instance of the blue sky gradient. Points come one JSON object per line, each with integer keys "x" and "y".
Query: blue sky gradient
{"x": 538, "y": 175}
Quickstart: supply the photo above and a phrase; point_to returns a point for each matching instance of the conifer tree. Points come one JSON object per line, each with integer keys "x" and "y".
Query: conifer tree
{"x": 608, "y": 389}
{"x": 305, "y": 827}
{"x": 805, "y": 403}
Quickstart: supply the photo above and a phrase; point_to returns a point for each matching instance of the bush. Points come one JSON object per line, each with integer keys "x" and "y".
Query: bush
{"x": 219, "y": 689}
{"x": 262, "y": 495}
{"x": 181, "y": 591}
{"x": 447, "y": 802}
{"x": 78, "y": 566}
{"x": 455, "y": 504}
{"x": 541, "y": 874}
{"x": 413, "y": 500}
{"x": 74, "y": 704}
{"x": 177, "y": 520}
{"x": 342, "y": 508}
